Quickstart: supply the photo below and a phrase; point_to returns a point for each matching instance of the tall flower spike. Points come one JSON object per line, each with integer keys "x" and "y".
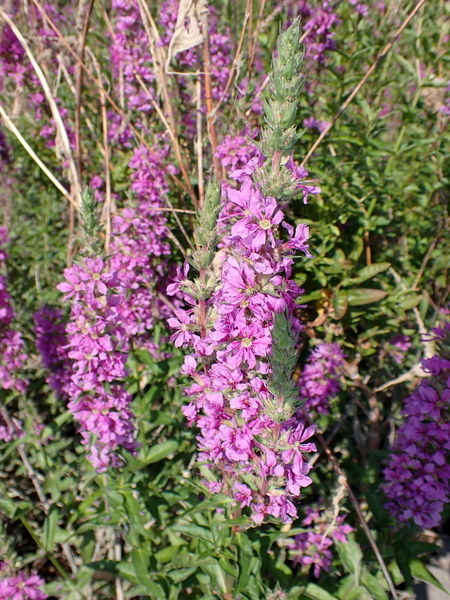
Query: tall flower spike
{"x": 282, "y": 361}
{"x": 90, "y": 223}
{"x": 205, "y": 232}
{"x": 279, "y": 136}
{"x": 98, "y": 348}
{"x": 240, "y": 325}
{"x": 417, "y": 477}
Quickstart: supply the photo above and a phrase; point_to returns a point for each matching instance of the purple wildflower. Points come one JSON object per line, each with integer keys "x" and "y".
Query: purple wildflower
{"x": 313, "y": 547}
{"x": 319, "y": 380}
{"x": 418, "y": 474}
{"x": 12, "y": 353}
{"x": 260, "y": 462}
{"x": 22, "y": 587}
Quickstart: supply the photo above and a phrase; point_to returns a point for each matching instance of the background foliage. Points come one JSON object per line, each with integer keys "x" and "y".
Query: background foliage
{"x": 379, "y": 236}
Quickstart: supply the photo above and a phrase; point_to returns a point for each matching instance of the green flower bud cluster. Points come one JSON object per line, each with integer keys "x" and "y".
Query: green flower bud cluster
{"x": 282, "y": 361}
{"x": 205, "y": 232}
{"x": 90, "y": 224}
{"x": 280, "y": 134}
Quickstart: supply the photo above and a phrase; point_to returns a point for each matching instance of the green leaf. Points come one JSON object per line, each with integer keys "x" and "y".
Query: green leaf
{"x": 410, "y": 302}
{"x": 160, "y": 451}
{"x": 166, "y": 554}
{"x": 245, "y": 561}
{"x": 358, "y": 593}
{"x": 374, "y": 586}
{"x": 217, "y": 575}
{"x": 340, "y": 304}
{"x": 124, "y": 570}
{"x": 182, "y": 561}
{"x": 8, "y": 507}
{"x": 181, "y": 574}
{"x": 420, "y": 572}
{"x": 140, "y": 561}
{"x": 195, "y": 531}
{"x": 370, "y": 271}
{"x": 310, "y": 297}
{"x": 316, "y": 592}
{"x": 228, "y": 567}
{"x": 361, "y": 296}
{"x": 296, "y": 592}
{"x": 49, "y": 529}
{"x": 351, "y": 557}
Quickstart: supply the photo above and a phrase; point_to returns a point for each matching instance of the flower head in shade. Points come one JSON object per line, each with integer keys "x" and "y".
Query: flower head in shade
{"x": 12, "y": 354}
{"x": 312, "y": 549}
{"x": 319, "y": 380}
{"x": 417, "y": 477}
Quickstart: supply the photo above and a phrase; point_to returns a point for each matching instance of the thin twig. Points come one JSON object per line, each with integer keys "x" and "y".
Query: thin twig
{"x": 208, "y": 95}
{"x": 201, "y": 189}
{"x": 234, "y": 64}
{"x": 159, "y": 60}
{"x": 78, "y": 88}
{"x": 414, "y": 372}
{"x": 118, "y": 558}
{"x": 332, "y": 435}
{"x": 51, "y": 101}
{"x": 255, "y": 34}
{"x": 273, "y": 15}
{"x": 79, "y": 82}
{"x": 167, "y": 302}
{"x": 426, "y": 258}
{"x": 342, "y": 479}
{"x": 114, "y": 105}
{"x": 106, "y": 213}
{"x": 9, "y": 123}
{"x": 88, "y": 121}
{"x": 379, "y": 58}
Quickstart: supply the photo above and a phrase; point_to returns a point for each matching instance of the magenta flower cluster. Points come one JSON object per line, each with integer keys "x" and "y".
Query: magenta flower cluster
{"x": 417, "y": 478}
{"x": 258, "y": 460}
{"x": 398, "y": 346}
{"x": 445, "y": 108}
{"x": 21, "y": 587}
{"x": 235, "y": 151}
{"x": 312, "y": 123}
{"x": 139, "y": 247}
{"x": 12, "y": 354}
{"x": 319, "y": 380}
{"x": 319, "y": 20}
{"x": 97, "y": 344}
{"x": 312, "y": 548}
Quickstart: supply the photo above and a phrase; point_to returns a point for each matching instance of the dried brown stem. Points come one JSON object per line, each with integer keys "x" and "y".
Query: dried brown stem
{"x": 121, "y": 113}
{"x": 379, "y": 58}
{"x": 114, "y": 105}
{"x": 159, "y": 61}
{"x": 106, "y": 213}
{"x": 201, "y": 187}
{"x": 79, "y": 79}
{"x": 9, "y": 123}
{"x": 212, "y": 132}
{"x": 255, "y": 34}
{"x": 51, "y": 101}
{"x": 82, "y": 35}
